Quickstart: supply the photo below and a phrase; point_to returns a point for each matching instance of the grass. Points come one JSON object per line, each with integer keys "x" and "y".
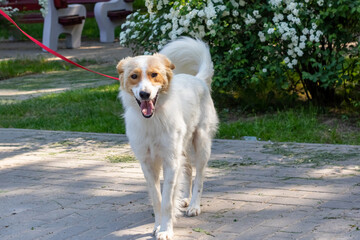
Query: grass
{"x": 98, "y": 110}
{"x": 76, "y": 78}
{"x": 223, "y": 164}
{"x": 121, "y": 158}
{"x": 84, "y": 110}
{"x": 22, "y": 67}
{"x": 297, "y": 156}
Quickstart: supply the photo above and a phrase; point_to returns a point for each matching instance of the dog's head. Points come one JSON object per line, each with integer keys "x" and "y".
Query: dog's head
{"x": 145, "y": 77}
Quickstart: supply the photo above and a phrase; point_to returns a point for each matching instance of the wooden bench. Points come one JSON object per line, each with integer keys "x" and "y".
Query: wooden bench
{"x": 24, "y": 6}
{"x": 63, "y": 18}
{"x": 36, "y": 17}
{"x": 109, "y": 15}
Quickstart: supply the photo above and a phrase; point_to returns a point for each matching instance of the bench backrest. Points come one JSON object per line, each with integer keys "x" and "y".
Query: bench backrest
{"x": 24, "y": 5}
{"x": 29, "y": 5}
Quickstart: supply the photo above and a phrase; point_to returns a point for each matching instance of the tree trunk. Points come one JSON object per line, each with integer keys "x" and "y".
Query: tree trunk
{"x": 320, "y": 95}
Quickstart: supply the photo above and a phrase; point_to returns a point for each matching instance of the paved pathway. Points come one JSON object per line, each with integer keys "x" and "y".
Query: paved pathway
{"x": 63, "y": 185}
{"x": 101, "y": 52}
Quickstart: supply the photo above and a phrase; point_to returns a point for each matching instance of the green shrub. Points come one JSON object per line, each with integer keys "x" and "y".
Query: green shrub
{"x": 308, "y": 46}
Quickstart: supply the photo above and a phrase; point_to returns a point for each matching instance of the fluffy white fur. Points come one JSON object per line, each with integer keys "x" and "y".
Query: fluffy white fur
{"x": 178, "y": 135}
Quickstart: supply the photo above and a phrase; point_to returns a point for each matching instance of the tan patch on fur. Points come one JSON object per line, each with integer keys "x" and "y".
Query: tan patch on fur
{"x": 130, "y": 81}
{"x": 121, "y": 68}
{"x": 161, "y": 65}
{"x": 126, "y": 68}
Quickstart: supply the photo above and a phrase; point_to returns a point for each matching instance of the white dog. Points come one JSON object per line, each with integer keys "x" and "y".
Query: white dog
{"x": 170, "y": 121}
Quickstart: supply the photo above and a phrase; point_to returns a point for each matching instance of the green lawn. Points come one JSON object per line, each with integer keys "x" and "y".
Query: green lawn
{"x": 292, "y": 125}
{"x": 99, "y": 110}
{"x": 21, "y": 67}
{"x": 84, "y": 110}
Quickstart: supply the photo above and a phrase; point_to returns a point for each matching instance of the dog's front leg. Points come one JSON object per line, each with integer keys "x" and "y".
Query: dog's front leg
{"x": 152, "y": 173}
{"x": 171, "y": 171}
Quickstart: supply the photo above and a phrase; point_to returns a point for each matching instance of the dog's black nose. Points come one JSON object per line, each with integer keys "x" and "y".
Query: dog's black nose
{"x": 144, "y": 95}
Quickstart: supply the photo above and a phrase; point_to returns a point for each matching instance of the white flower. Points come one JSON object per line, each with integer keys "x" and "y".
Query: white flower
{"x": 300, "y": 53}
{"x": 209, "y": 23}
{"x": 235, "y": 13}
{"x": 256, "y": 14}
{"x": 261, "y": 36}
{"x": 264, "y": 70}
{"x": 275, "y": 3}
{"x": 225, "y": 13}
{"x": 249, "y": 20}
{"x": 236, "y": 26}
{"x": 302, "y": 45}
{"x": 320, "y": 2}
{"x": 201, "y": 13}
{"x": 234, "y": 3}
{"x": 305, "y": 31}
{"x": 271, "y": 30}
{"x": 287, "y": 60}
{"x": 186, "y": 23}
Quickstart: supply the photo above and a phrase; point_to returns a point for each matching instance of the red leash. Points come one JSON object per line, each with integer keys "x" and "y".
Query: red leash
{"x": 52, "y": 51}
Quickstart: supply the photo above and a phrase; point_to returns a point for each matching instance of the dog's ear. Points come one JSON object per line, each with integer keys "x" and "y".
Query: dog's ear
{"x": 120, "y": 68}
{"x": 168, "y": 64}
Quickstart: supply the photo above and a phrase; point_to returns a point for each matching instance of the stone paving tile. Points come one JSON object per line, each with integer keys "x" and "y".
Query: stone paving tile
{"x": 60, "y": 185}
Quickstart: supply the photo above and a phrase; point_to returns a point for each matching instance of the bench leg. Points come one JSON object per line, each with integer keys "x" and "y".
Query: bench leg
{"x": 50, "y": 37}
{"x": 107, "y": 34}
{"x": 73, "y": 39}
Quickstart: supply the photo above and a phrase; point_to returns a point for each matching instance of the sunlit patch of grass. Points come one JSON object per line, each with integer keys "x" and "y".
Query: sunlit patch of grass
{"x": 99, "y": 110}
{"x": 22, "y": 67}
{"x": 121, "y": 158}
{"x": 293, "y": 125}
{"x": 84, "y": 110}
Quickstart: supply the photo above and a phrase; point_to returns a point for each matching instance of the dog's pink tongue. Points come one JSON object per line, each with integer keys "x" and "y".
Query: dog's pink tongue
{"x": 147, "y": 107}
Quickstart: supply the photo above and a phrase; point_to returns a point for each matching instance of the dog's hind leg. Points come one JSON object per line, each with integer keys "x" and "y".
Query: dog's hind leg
{"x": 202, "y": 146}
{"x": 152, "y": 176}
{"x": 187, "y": 184}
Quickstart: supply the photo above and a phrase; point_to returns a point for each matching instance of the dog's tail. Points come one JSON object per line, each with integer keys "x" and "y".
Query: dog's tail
{"x": 190, "y": 56}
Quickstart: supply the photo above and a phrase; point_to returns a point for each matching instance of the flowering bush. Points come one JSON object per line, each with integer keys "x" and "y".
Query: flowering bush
{"x": 8, "y": 10}
{"x": 292, "y": 43}
{"x": 44, "y": 7}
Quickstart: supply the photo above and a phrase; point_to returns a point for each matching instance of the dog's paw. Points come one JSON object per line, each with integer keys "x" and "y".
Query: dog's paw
{"x": 156, "y": 230}
{"x": 165, "y": 235}
{"x": 193, "y": 211}
{"x": 184, "y": 202}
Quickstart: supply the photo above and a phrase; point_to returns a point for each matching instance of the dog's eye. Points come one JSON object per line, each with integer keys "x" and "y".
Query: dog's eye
{"x": 134, "y": 76}
{"x": 154, "y": 75}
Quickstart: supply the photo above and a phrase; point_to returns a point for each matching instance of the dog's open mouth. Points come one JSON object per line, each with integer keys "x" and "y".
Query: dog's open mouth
{"x": 147, "y": 106}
